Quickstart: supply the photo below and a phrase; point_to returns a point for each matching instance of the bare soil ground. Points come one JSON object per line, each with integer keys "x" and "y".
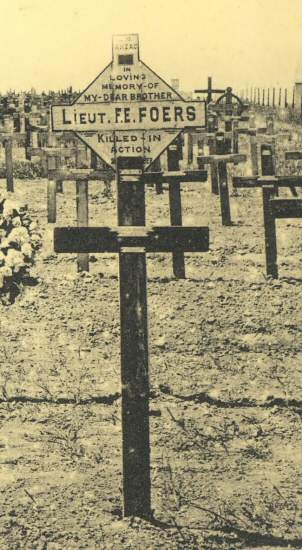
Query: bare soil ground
{"x": 226, "y": 378}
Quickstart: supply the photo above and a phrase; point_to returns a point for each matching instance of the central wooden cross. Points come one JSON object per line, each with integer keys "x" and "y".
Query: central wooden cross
{"x": 132, "y": 240}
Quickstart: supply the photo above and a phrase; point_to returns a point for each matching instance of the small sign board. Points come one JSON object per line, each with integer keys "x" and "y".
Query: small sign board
{"x": 128, "y": 110}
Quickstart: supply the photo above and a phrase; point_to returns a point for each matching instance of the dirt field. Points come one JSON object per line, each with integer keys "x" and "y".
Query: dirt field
{"x": 226, "y": 379}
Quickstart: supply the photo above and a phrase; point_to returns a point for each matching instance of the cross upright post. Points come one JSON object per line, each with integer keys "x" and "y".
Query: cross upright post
{"x": 212, "y": 128}
{"x": 221, "y": 149}
{"x": 134, "y": 344}
{"x": 220, "y": 161}
{"x": 132, "y": 242}
{"x": 9, "y": 164}
{"x": 178, "y": 260}
{"x": 210, "y": 91}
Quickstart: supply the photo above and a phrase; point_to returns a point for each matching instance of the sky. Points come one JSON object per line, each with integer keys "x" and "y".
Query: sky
{"x": 51, "y": 44}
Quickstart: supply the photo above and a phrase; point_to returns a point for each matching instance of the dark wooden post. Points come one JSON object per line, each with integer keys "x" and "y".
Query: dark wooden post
{"x": 223, "y": 182}
{"x": 190, "y": 148}
{"x": 9, "y": 164}
{"x": 267, "y": 160}
{"x": 51, "y": 193}
{"x": 212, "y": 151}
{"x": 254, "y": 148}
{"x": 134, "y": 345}
{"x": 273, "y": 101}
{"x": 27, "y": 140}
{"x": 268, "y": 97}
{"x": 82, "y": 219}
{"x": 263, "y": 97}
{"x": 269, "y": 233}
{"x": 178, "y": 259}
{"x": 59, "y": 163}
{"x": 258, "y": 96}
{"x": 93, "y": 160}
{"x": 268, "y": 169}
{"x": 156, "y": 166}
{"x": 209, "y": 96}
{"x": 279, "y": 102}
{"x": 235, "y": 140}
{"x": 285, "y": 98}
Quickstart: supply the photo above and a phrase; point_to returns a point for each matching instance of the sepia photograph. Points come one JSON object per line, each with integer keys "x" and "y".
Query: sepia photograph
{"x": 151, "y": 275}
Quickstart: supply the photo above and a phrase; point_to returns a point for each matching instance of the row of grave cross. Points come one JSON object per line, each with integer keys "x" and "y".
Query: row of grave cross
{"x": 131, "y": 240}
{"x": 223, "y": 149}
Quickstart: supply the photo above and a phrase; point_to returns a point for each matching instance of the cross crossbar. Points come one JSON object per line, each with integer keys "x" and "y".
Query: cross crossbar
{"x": 293, "y": 155}
{"x": 235, "y": 159}
{"x": 286, "y": 208}
{"x": 14, "y": 136}
{"x": 247, "y": 182}
{"x": 149, "y": 177}
{"x": 112, "y": 240}
{"x": 272, "y": 210}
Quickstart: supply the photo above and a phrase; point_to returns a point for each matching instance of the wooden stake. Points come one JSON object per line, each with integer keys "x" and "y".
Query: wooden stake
{"x": 27, "y": 140}
{"x": 269, "y": 233}
{"x": 82, "y": 219}
{"x": 178, "y": 259}
{"x": 254, "y": 149}
{"x": 156, "y": 166}
{"x": 51, "y": 193}
{"x": 212, "y": 151}
{"x": 51, "y": 201}
{"x": 93, "y": 160}
{"x": 9, "y": 164}
{"x": 134, "y": 345}
{"x": 235, "y": 140}
{"x": 223, "y": 183}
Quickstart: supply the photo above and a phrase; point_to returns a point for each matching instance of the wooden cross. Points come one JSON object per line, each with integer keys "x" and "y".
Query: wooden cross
{"x": 272, "y": 209}
{"x": 220, "y": 161}
{"x": 209, "y": 90}
{"x": 173, "y": 177}
{"x": 131, "y": 240}
{"x": 276, "y": 209}
{"x": 8, "y": 139}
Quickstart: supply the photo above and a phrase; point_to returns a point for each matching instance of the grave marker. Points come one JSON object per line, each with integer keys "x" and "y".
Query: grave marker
{"x": 128, "y": 116}
{"x": 272, "y": 208}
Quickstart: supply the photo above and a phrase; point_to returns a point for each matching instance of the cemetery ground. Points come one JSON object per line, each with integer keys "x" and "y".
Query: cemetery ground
{"x": 225, "y": 404}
